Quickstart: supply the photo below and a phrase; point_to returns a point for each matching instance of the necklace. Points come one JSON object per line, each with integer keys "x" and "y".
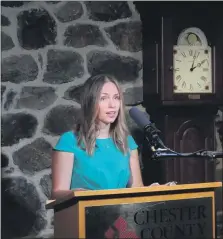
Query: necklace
{"x": 105, "y": 143}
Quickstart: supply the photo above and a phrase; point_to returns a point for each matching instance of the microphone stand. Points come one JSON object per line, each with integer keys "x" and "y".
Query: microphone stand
{"x": 165, "y": 153}
{"x": 160, "y": 151}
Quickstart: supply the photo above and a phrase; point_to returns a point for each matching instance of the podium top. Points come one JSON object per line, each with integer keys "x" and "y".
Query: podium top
{"x": 91, "y": 194}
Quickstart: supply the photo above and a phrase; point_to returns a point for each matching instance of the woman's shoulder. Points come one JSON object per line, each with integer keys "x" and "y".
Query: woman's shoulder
{"x": 68, "y": 136}
{"x": 130, "y": 138}
{"x": 66, "y": 141}
{"x": 131, "y": 142}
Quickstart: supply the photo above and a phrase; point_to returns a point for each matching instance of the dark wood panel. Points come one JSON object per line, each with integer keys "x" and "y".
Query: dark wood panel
{"x": 184, "y": 131}
{"x": 192, "y": 135}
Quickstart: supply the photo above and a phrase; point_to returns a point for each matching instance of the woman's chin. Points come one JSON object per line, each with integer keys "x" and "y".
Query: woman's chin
{"x": 110, "y": 120}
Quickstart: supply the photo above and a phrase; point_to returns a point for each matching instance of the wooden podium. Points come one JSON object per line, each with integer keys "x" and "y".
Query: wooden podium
{"x": 179, "y": 211}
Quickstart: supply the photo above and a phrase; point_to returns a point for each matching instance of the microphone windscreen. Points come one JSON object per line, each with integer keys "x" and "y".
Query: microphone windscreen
{"x": 141, "y": 118}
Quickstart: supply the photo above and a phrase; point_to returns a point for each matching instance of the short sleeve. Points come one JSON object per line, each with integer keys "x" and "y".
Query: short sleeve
{"x": 66, "y": 142}
{"x": 131, "y": 143}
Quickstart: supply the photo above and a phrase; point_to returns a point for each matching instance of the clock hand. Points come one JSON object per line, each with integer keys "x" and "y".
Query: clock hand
{"x": 198, "y": 65}
{"x": 192, "y": 67}
{"x": 202, "y": 62}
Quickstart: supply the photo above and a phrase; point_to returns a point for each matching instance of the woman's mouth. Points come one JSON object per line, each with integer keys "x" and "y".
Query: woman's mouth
{"x": 111, "y": 114}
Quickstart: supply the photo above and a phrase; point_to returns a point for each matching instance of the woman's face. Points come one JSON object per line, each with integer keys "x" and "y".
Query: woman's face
{"x": 109, "y": 103}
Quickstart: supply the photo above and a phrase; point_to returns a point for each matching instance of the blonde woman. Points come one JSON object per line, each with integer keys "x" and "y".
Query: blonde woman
{"x": 99, "y": 153}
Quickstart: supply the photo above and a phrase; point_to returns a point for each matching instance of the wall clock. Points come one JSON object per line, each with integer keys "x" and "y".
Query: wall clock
{"x": 192, "y": 63}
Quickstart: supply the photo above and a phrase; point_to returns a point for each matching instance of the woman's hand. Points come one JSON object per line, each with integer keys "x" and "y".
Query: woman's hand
{"x": 80, "y": 189}
{"x": 154, "y": 184}
{"x": 166, "y": 184}
{"x": 171, "y": 183}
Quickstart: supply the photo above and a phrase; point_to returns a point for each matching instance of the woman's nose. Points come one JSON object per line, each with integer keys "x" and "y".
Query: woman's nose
{"x": 111, "y": 103}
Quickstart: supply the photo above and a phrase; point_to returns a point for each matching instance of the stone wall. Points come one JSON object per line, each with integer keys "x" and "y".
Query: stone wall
{"x": 49, "y": 49}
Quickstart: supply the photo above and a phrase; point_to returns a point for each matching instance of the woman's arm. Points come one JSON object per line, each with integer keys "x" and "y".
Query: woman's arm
{"x": 136, "y": 176}
{"x": 62, "y": 166}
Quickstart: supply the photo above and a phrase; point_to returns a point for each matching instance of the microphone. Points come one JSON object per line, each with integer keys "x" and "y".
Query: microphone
{"x": 151, "y": 132}
{"x": 159, "y": 150}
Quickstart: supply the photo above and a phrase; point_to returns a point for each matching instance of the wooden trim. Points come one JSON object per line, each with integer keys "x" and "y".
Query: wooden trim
{"x": 213, "y": 215}
{"x": 148, "y": 189}
{"x": 130, "y": 200}
{"x": 81, "y": 226}
{"x": 162, "y": 188}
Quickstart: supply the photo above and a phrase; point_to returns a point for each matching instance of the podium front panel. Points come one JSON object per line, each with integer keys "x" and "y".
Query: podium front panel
{"x": 179, "y": 216}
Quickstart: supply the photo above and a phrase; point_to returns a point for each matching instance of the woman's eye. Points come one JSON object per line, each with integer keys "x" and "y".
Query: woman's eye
{"x": 103, "y": 98}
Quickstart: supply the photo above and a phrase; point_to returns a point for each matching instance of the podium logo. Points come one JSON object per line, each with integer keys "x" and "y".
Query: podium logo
{"x": 119, "y": 229}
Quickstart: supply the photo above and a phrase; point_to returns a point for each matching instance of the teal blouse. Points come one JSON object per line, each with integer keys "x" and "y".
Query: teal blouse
{"x": 107, "y": 168}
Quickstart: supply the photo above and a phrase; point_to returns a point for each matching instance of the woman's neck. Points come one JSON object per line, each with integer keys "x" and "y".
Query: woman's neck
{"x": 104, "y": 131}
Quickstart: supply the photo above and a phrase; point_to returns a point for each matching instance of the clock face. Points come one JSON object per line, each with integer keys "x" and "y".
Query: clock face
{"x": 192, "y": 69}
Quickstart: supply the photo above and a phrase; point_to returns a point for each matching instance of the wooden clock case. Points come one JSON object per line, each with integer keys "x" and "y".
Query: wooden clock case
{"x": 186, "y": 121}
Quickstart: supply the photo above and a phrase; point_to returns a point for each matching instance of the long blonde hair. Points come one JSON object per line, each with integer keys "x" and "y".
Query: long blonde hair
{"x": 86, "y": 129}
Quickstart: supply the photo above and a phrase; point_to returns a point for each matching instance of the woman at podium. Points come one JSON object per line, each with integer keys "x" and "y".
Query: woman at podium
{"x": 99, "y": 153}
